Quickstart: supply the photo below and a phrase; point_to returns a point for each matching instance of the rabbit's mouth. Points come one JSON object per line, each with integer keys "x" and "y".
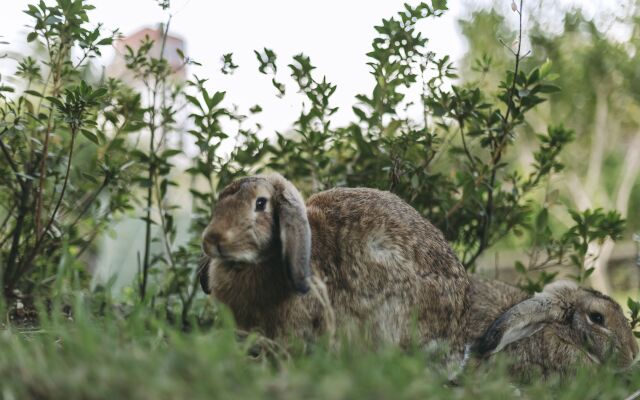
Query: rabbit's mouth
{"x": 235, "y": 258}
{"x": 230, "y": 262}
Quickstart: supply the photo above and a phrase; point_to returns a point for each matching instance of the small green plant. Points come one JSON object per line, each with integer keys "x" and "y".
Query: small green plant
{"x": 569, "y": 249}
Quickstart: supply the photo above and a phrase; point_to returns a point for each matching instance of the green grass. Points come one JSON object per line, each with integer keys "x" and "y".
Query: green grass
{"x": 141, "y": 357}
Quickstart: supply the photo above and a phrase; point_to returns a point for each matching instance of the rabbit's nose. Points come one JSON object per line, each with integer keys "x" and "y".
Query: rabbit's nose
{"x": 211, "y": 242}
{"x": 213, "y": 237}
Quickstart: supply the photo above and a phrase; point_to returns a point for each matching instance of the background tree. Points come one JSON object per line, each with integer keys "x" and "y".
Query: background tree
{"x": 599, "y": 100}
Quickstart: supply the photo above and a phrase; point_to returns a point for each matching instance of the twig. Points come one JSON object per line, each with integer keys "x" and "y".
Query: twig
{"x": 464, "y": 143}
{"x": 12, "y": 164}
{"x": 25, "y": 265}
{"x": 9, "y": 214}
{"x": 498, "y": 150}
{"x": 74, "y": 133}
{"x": 89, "y": 201}
{"x": 15, "y": 243}
{"x": 152, "y": 128}
{"x": 45, "y": 150}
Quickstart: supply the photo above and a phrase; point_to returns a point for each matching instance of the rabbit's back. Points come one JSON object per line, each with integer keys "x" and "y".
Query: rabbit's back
{"x": 386, "y": 264}
{"x": 380, "y": 228}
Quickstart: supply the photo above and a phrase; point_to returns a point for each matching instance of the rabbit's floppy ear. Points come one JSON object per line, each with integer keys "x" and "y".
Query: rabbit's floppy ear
{"x": 295, "y": 232}
{"x": 203, "y": 274}
{"x": 526, "y": 318}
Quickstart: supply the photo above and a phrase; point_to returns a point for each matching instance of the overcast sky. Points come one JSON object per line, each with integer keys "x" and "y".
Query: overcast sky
{"x": 336, "y": 34}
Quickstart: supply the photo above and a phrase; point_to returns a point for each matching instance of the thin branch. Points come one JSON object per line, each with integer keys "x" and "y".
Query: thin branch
{"x": 26, "y": 264}
{"x": 88, "y": 202}
{"x": 12, "y": 164}
{"x": 152, "y": 129}
{"x": 163, "y": 226}
{"x": 45, "y": 151}
{"x": 9, "y": 214}
{"x": 506, "y": 46}
{"x": 497, "y": 156}
{"x": 10, "y": 268}
{"x": 3, "y": 241}
{"x": 464, "y": 143}
{"x": 74, "y": 133}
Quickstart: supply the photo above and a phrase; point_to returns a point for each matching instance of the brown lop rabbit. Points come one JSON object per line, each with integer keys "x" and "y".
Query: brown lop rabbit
{"x": 552, "y": 331}
{"x": 384, "y": 269}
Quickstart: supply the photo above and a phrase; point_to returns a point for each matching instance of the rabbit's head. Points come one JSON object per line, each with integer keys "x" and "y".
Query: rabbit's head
{"x": 587, "y": 320}
{"x": 257, "y": 220}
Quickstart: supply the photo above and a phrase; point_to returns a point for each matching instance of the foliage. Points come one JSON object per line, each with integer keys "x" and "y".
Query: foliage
{"x": 570, "y": 248}
{"x": 60, "y": 187}
{"x": 598, "y": 101}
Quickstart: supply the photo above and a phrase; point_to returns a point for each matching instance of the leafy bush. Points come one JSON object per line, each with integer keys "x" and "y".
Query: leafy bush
{"x": 65, "y": 163}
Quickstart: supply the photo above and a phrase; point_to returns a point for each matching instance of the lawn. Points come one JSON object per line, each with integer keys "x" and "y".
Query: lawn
{"x": 140, "y": 356}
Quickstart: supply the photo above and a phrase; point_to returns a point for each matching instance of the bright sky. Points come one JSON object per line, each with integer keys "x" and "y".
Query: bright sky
{"x": 336, "y": 34}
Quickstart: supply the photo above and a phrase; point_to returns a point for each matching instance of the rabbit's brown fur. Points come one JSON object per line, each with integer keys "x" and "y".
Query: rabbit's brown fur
{"x": 557, "y": 332}
{"x": 386, "y": 268}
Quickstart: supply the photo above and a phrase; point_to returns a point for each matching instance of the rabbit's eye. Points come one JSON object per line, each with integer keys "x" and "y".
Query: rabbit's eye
{"x": 261, "y": 203}
{"x": 596, "y": 318}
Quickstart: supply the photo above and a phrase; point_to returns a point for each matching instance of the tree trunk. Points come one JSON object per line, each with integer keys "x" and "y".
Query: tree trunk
{"x": 599, "y": 255}
{"x": 630, "y": 171}
{"x": 598, "y": 142}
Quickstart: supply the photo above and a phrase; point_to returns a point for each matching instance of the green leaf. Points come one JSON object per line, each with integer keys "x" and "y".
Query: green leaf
{"x": 358, "y": 111}
{"x": 98, "y": 93}
{"x": 91, "y": 136}
{"x": 141, "y": 156}
{"x": 33, "y": 93}
{"x": 55, "y": 101}
{"x": 634, "y": 306}
{"x": 545, "y": 68}
{"x": 32, "y": 36}
{"x": 548, "y": 88}
{"x": 216, "y": 99}
{"x": 534, "y": 76}
{"x": 193, "y": 101}
{"x": 170, "y": 153}
{"x": 542, "y": 219}
{"x": 440, "y": 5}
{"x": 89, "y": 177}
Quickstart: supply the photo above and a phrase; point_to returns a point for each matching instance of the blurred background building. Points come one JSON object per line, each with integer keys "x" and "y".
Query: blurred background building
{"x": 168, "y": 47}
